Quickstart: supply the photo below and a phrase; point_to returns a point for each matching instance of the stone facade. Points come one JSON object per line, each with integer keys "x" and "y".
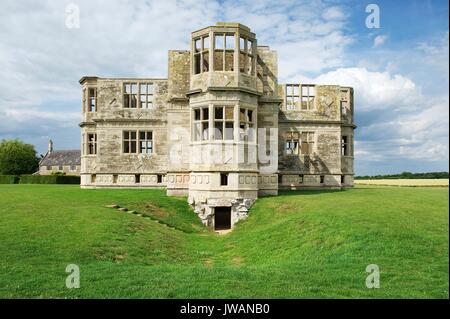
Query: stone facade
{"x": 220, "y": 129}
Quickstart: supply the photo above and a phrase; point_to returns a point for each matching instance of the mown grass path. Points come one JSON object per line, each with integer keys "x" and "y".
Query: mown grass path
{"x": 301, "y": 244}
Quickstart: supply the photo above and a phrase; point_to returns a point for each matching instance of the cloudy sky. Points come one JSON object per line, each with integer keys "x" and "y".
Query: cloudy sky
{"x": 399, "y": 71}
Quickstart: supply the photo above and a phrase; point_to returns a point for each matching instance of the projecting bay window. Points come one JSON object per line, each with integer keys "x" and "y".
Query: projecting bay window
{"x": 224, "y": 52}
{"x": 223, "y": 123}
{"x": 292, "y": 96}
{"x": 308, "y": 94}
{"x": 307, "y": 140}
{"x": 137, "y": 142}
{"x": 91, "y": 143}
{"x": 200, "y": 124}
{"x": 344, "y": 146}
{"x": 246, "y": 125}
{"x": 246, "y": 56}
{"x": 292, "y": 140}
{"x": 138, "y": 95}
{"x": 201, "y": 55}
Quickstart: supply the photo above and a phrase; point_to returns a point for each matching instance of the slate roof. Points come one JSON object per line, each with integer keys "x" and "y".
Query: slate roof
{"x": 57, "y": 158}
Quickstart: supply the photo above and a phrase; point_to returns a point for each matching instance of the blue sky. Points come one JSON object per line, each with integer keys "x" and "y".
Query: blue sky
{"x": 400, "y": 71}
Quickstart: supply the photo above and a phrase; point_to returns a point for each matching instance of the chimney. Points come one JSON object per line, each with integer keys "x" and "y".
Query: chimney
{"x": 50, "y": 146}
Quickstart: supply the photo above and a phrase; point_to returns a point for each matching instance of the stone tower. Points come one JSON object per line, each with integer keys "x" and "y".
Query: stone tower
{"x": 223, "y": 101}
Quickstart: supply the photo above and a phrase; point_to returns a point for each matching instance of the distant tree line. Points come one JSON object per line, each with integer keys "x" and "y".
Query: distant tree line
{"x": 408, "y": 175}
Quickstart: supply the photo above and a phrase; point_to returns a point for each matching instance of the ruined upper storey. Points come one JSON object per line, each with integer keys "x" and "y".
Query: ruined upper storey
{"x": 223, "y": 56}
{"x": 311, "y": 102}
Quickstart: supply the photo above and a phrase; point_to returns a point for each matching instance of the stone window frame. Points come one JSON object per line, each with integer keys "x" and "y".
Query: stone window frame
{"x": 345, "y": 145}
{"x": 148, "y": 94}
{"x": 344, "y": 102}
{"x": 292, "y": 96}
{"x": 132, "y": 95}
{"x": 224, "y": 121}
{"x": 292, "y": 144}
{"x": 149, "y": 145}
{"x": 308, "y": 96}
{"x": 224, "y": 50}
{"x": 48, "y": 167}
{"x": 247, "y": 55}
{"x": 91, "y": 144}
{"x": 224, "y": 179}
{"x": 91, "y": 99}
{"x": 309, "y": 141}
{"x": 73, "y": 168}
{"x": 134, "y": 143}
{"x": 246, "y": 124}
{"x": 200, "y": 124}
{"x": 200, "y": 47}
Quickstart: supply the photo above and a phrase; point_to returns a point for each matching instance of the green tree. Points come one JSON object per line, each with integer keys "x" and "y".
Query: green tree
{"x": 17, "y": 157}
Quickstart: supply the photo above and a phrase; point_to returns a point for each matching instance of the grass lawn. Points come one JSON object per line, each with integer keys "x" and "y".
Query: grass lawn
{"x": 301, "y": 244}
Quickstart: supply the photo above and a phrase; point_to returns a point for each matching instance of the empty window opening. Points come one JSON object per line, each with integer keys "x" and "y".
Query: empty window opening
{"x": 280, "y": 179}
{"x": 159, "y": 178}
{"x": 223, "y": 179}
{"x": 92, "y": 100}
{"x": 138, "y": 95}
{"x": 145, "y": 142}
{"x": 246, "y": 125}
{"x": 344, "y": 146}
{"x": 246, "y": 56}
{"x": 224, "y": 52}
{"x": 222, "y": 218}
{"x": 49, "y": 168}
{"x": 307, "y": 139}
{"x": 344, "y": 107}
{"x": 73, "y": 168}
{"x": 115, "y": 176}
{"x": 342, "y": 179}
{"x": 137, "y": 142}
{"x": 137, "y": 178}
{"x": 130, "y": 95}
{"x": 129, "y": 142}
{"x": 322, "y": 179}
{"x": 92, "y": 144}
{"x": 93, "y": 178}
{"x": 201, "y": 55}
{"x": 300, "y": 179}
{"x": 60, "y": 167}
{"x": 292, "y": 96}
{"x": 146, "y": 91}
{"x": 308, "y": 94}
{"x": 200, "y": 124}
{"x": 292, "y": 140}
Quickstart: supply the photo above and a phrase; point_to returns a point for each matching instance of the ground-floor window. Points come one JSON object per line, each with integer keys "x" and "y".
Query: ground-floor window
{"x": 137, "y": 142}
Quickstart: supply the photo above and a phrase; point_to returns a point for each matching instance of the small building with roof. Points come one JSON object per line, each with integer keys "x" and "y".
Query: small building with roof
{"x": 63, "y": 161}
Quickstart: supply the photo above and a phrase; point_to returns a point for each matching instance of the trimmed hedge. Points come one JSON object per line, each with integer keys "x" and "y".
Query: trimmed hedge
{"x": 9, "y": 179}
{"x": 49, "y": 179}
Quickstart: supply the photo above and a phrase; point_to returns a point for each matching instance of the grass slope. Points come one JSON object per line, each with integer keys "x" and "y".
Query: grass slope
{"x": 301, "y": 244}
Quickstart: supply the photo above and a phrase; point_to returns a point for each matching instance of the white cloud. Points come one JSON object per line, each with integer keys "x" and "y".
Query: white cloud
{"x": 379, "y": 40}
{"x": 333, "y": 13}
{"x": 374, "y": 90}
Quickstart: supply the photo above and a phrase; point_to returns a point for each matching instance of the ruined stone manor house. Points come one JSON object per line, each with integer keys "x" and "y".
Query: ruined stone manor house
{"x": 220, "y": 129}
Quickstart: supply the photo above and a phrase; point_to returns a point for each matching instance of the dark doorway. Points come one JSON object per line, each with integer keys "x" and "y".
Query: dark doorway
{"x": 222, "y": 218}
